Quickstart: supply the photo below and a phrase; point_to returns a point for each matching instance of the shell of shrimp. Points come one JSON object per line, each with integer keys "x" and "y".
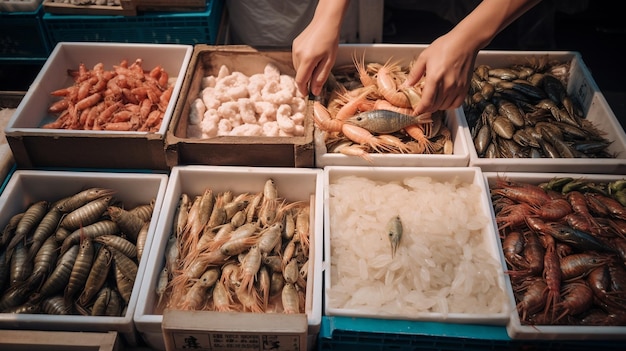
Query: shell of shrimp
{"x": 386, "y": 81}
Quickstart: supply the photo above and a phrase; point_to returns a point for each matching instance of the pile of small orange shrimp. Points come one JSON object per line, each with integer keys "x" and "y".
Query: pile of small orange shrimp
{"x": 247, "y": 252}
{"x": 564, "y": 242}
{"x": 126, "y": 98}
{"x": 78, "y": 255}
{"x": 368, "y": 111}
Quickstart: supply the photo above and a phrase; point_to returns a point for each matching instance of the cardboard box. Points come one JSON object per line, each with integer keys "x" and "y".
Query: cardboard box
{"x": 39, "y": 340}
{"x": 132, "y": 189}
{"x": 234, "y": 150}
{"x": 34, "y": 146}
{"x": 372, "y": 261}
{"x": 294, "y": 184}
{"x": 515, "y": 328}
{"x": 454, "y": 120}
{"x": 583, "y": 90}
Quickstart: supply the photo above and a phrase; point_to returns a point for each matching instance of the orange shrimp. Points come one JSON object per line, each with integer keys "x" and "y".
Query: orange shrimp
{"x": 361, "y": 69}
{"x": 364, "y": 137}
{"x": 387, "y": 86}
{"x": 351, "y": 102}
{"x": 417, "y": 132}
{"x": 323, "y": 120}
{"x": 89, "y": 101}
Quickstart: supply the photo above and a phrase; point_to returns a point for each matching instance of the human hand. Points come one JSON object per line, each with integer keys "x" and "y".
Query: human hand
{"x": 314, "y": 52}
{"x": 445, "y": 67}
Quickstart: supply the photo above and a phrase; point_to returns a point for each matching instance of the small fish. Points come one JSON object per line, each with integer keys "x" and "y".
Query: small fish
{"x": 386, "y": 121}
{"x": 394, "y": 231}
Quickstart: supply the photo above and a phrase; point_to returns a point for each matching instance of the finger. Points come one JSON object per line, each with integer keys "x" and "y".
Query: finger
{"x": 303, "y": 76}
{"x": 319, "y": 76}
{"x": 415, "y": 74}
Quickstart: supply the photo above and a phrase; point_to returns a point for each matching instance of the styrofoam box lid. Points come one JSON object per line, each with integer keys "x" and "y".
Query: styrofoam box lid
{"x": 470, "y": 175}
{"x": 455, "y": 120}
{"x": 582, "y": 88}
{"x": 294, "y": 184}
{"x": 27, "y": 186}
{"x": 32, "y": 113}
{"x": 515, "y": 329}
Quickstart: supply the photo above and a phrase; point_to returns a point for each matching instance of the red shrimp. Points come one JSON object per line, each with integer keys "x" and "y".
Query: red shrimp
{"x": 533, "y": 299}
{"x": 513, "y": 246}
{"x": 614, "y": 207}
{"x": 551, "y": 272}
{"x": 577, "y": 298}
{"x": 386, "y": 81}
{"x": 553, "y": 210}
{"x": 534, "y": 196}
{"x": 580, "y": 264}
{"x": 513, "y": 215}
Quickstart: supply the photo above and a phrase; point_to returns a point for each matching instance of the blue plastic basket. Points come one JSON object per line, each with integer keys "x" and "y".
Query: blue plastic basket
{"x": 22, "y": 36}
{"x": 150, "y": 27}
{"x": 363, "y": 334}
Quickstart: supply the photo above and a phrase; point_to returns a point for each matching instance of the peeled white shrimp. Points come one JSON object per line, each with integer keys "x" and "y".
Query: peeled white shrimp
{"x": 265, "y": 110}
{"x": 273, "y": 92}
{"x": 247, "y": 130}
{"x": 196, "y": 111}
{"x": 208, "y": 82}
{"x": 208, "y": 98}
{"x": 256, "y": 82}
{"x": 271, "y": 129}
{"x": 232, "y": 87}
{"x": 224, "y": 126}
{"x": 298, "y": 104}
{"x": 247, "y": 111}
{"x": 283, "y": 118}
{"x": 209, "y": 123}
{"x": 271, "y": 73}
{"x": 223, "y": 72}
{"x": 228, "y": 110}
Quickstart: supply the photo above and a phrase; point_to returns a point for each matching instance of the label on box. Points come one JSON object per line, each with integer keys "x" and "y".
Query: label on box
{"x": 229, "y": 331}
{"x": 234, "y": 341}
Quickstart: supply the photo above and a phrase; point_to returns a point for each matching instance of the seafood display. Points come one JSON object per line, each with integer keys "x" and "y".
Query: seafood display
{"x": 89, "y": 2}
{"x": 77, "y": 255}
{"x": 439, "y": 262}
{"x": 364, "y": 110}
{"x": 262, "y": 104}
{"x": 524, "y": 111}
{"x": 245, "y": 252}
{"x": 564, "y": 243}
{"x": 126, "y": 98}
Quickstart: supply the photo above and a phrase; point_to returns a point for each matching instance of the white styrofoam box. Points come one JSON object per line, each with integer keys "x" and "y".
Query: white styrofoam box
{"x": 517, "y": 330}
{"x": 454, "y": 119}
{"x": 583, "y": 89}
{"x": 385, "y": 176}
{"x": 132, "y": 189}
{"x": 294, "y": 184}
{"x": 32, "y": 144}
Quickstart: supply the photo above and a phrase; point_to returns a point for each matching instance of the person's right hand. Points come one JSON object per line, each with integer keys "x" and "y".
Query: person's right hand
{"x": 314, "y": 52}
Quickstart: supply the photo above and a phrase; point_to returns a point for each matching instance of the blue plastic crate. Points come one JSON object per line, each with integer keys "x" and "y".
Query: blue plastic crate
{"x": 22, "y": 36}
{"x": 364, "y": 334}
{"x": 188, "y": 28}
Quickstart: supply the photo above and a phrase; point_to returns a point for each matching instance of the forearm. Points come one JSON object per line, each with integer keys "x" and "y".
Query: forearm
{"x": 331, "y": 13}
{"x": 488, "y": 19}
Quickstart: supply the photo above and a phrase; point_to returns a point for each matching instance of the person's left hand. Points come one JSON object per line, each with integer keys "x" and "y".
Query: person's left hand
{"x": 445, "y": 66}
